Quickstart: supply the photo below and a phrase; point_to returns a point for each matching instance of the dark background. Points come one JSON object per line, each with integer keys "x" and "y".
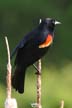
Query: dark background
{"x": 18, "y": 17}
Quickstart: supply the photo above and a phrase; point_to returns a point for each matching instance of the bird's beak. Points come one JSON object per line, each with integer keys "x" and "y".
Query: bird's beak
{"x": 57, "y": 22}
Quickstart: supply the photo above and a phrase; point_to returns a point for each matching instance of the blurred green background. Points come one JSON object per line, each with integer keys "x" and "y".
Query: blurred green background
{"x": 18, "y": 17}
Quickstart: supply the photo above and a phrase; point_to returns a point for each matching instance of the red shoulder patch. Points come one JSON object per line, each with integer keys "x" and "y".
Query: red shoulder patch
{"x": 47, "y": 42}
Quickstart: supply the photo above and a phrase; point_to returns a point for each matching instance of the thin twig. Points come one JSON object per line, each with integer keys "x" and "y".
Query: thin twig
{"x": 39, "y": 84}
{"x": 8, "y": 50}
{"x": 8, "y": 71}
{"x": 10, "y": 102}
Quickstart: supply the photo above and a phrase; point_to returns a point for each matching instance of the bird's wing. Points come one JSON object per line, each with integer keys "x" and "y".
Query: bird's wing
{"x": 22, "y": 43}
{"x": 36, "y": 37}
{"x": 33, "y": 36}
{"x": 47, "y": 42}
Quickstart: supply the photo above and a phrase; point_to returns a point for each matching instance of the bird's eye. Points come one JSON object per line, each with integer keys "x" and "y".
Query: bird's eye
{"x": 53, "y": 21}
{"x": 40, "y": 21}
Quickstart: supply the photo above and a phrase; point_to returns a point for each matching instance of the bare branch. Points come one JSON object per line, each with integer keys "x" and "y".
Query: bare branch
{"x": 8, "y": 50}
{"x": 39, "y": 84}
{"x": 10, "y": 102}
{"x": 8, "y": 71}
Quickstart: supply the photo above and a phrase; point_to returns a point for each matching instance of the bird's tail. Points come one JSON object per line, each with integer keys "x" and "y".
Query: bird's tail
{"x": 18, "y": 79}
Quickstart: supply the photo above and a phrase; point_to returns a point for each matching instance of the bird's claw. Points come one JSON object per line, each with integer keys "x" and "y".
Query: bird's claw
{"x": 38, "y": 73}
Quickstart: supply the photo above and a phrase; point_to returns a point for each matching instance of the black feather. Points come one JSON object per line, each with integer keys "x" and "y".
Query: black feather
{"x": 28, "y": 51}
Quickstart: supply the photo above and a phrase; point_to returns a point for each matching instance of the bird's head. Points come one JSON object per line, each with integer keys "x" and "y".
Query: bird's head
{"x": 49, "y": 23}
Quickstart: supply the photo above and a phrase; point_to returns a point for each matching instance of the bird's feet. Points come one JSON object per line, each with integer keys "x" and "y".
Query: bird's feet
{"x": 38, "y": 73}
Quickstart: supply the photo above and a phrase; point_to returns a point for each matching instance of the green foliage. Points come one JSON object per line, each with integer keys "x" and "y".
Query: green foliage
{"x": 19, "y": 17}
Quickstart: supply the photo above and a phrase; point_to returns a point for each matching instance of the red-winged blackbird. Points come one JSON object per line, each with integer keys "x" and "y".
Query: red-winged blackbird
{"x": 33, "y": 46}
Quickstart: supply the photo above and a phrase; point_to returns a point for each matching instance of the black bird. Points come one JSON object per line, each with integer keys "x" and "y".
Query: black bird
{"x": 31, "y": 48}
